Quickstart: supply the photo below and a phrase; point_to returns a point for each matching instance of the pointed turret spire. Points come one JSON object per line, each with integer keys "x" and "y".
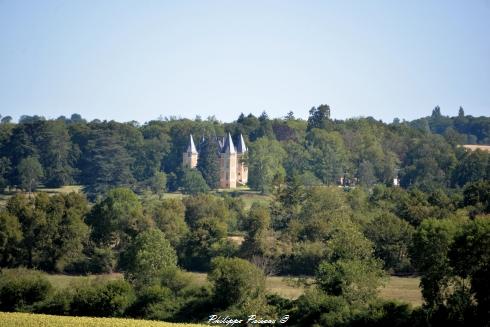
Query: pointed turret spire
{"x": 241, "y": 147}
{"x": 228, "y": 145}
{"x": 191, "y": 148}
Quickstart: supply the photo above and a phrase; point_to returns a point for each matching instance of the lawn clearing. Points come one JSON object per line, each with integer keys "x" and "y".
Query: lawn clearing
{"x": 404, "y": 289}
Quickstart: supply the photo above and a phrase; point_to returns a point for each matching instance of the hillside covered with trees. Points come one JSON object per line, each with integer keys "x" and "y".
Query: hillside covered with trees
{"x": 424, "y": 153}
{"x": 346, "y": 239}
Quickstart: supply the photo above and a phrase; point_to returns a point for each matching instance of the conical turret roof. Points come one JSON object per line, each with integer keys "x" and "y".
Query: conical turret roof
{"x": 228, "y": 146}
{"x": 241, "y": 147}
{"x": 192, "y": 147}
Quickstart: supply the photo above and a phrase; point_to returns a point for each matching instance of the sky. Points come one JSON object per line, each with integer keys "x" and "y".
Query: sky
{"x": 141, "y": 60}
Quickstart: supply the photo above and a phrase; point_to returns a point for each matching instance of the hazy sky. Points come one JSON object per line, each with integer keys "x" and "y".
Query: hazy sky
{"x": 137, "y": 60}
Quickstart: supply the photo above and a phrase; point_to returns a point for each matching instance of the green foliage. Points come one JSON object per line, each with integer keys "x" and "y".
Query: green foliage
{"x": 431, "y": 244}
{"x": 205, "y": 206}
{"x": 205, "y": 241}
{"x": 105, "y": 161}
{"x": 470, "y": 257}
{"x": 319, "y": 117}
{"x": 109, "y": 299}
{"x": 21, "y": 289}
{"x": 157, "y": 183}
{"x": 235, "y": 281}
{"x": 53, "y": 229}
{"x": 169, "y": 217}
{"x": 148, "y": 257}
{"x": 264, "y": 164}
{"x": 155, "y": 303}
{"x": 117, "y": 219}
{"x": 355, "y": 280}
{"x": 259, "y": 239}
{"x": 5, "y": 169}
{"x": 478, "y": 195}
{"x": 208, "y": 162}
{"x": 328, "y": 155}
{"x": 30, "y": 173}
{"x": 10, "y": 239}
{"x": 192, "y": 182}
{"x": 473, "y": 166}
{"x": 320, "y": 207}
{"x": 57, "y": 153}
{"x": 392, "y": 238}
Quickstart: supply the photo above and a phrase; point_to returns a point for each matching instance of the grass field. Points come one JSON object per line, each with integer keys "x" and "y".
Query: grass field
{"x": 15, "y": 319}
{"x": 404, "y": 289}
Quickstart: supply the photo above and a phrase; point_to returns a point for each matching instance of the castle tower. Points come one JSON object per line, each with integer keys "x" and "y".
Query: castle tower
{"x": 228, "y": 164}
{"x": 189, "y": 157}
{"x": 241, "y": 167}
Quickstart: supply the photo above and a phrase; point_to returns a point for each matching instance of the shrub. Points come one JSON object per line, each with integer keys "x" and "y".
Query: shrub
{"x": 21, "y": 289}
{"x": 57, "y": 304}
{"x": 155, "y": 303}
{"x": 235, "y": 281}
{"x": 107, "y": 300}
{"x": 147, "y": 258}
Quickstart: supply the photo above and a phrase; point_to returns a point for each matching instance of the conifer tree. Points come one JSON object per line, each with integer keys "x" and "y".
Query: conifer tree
{"x": 208, "y": 162}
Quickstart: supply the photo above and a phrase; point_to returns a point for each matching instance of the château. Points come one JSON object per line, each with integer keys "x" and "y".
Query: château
{"x": 233, "y": 171}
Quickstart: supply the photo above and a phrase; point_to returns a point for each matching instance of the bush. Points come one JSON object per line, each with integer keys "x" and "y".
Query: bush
{"x": 21, "y": 289}
{"x": 155, "y": 303}
{"x": 235, "y": 281}
{"x": 107, "y": 300}
{"x": 58, "y": 303}
{"x": 147, "y": 258}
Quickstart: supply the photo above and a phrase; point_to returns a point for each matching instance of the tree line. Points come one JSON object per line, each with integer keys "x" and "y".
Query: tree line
{"x": 100, "y": 155}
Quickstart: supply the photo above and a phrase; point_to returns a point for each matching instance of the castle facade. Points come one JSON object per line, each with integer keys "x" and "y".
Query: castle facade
{"x": 232, "y": 170}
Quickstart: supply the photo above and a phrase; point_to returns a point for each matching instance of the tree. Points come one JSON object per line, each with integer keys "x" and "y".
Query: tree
{"x": 392, "y": 238}
{"x": 321, "y": 207}
{"x": 357, "y": 281}
{"x": 206, "y": 240}
{"x": 148, "y": 258}
{"x": 431, "y": 244}
{"x": 117, "y": 219}
{"x": 470, "y": 257}
{"x": 30, "y": 172}
{"x": 105, "y": 163}
{"x": 208, "y": 162}
{"x": 10, "y": 239}
{"x": 32, "y": 223}
{"x": 236, "y": 282}
{"x": 472, "y": 167}
{"x": 477, "y": 194}
{"x": 264, "y": 163}
{"x": 328, "y": 155}
{"x": 5, "y": 168}
{"x": 55, "y": 153}
{"x": 53, "y": 229}
{"x": 169, "y": 217}
{"x": 192, "y": 182}
{"x": 319, "y": 117}
{"x": 158, "y": 183}
{"x": 6, "y": 120}
{"x": 461, "y": 112}
{"x": 436, "y": 112}
{"x": 258, "y": 239}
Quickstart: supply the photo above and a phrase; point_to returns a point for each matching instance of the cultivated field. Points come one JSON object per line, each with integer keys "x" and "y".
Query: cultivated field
{"x": 16, "y": 319}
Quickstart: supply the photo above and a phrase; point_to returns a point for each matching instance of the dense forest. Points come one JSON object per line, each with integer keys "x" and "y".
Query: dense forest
{"x": 344, "y": 239}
